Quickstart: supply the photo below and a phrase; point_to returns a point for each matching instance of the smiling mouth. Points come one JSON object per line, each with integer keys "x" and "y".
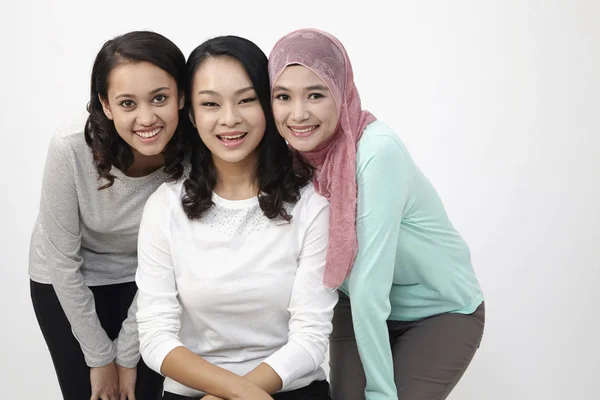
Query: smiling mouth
{"x": 148, "y": 134}
{"x": 303, "y": 131}
{"x": 232, "y": 138}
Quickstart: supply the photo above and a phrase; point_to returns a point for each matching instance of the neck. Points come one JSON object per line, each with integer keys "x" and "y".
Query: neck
{"x": 144, "y": 165}
{"x": 236, "y": 181}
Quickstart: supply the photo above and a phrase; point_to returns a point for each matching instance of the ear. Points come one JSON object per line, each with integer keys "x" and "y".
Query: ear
{"x": 191, "y": 117}
{"x": 181, "y": 101}
{"x": 105, "y": 107}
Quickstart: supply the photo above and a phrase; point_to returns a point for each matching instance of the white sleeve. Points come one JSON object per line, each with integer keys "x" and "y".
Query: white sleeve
{"x": 159, "y": 311}
{"x": 311, "y": 308}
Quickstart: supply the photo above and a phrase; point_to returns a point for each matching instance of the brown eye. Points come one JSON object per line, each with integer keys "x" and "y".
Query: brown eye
{"x": 282, "y": 97}
{"x": 127, "y": 103}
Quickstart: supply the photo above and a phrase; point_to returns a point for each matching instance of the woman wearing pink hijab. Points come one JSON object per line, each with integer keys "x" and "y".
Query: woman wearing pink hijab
{"x": 411, "y": 313}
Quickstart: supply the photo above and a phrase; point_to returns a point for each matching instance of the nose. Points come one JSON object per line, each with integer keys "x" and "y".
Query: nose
{"x": 146, "y": 115}
{"x": 230, "y": 116}
{"x": 299, "y": 112}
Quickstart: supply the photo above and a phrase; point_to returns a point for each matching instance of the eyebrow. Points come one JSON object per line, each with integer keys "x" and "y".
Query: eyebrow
{"x": 312, "y": 87}
{"x": 239, "y": 91}
{"x": 152, "y": 92}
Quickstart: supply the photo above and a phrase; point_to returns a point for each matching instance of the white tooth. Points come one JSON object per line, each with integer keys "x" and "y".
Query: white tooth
{"x": 147, "y": 135}
{"x": 233, "y": 137}
{"x": 303, "y": 130}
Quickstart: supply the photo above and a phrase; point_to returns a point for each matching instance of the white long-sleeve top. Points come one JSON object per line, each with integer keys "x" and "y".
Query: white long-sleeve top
{"x": 235, "y": 287}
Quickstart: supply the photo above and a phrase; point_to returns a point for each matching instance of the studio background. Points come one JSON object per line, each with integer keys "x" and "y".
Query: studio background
{"x": 497, "y": 101}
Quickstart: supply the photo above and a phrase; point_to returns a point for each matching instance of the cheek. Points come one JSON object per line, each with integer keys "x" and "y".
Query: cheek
{"x": 279, "y": 114}
{"x": 202, "y": 120}
{"x": 329, "y": 115}
{"x": 171, "y": 113}
{"x": 122, "y": 120}
{"x": 256, "y": 118}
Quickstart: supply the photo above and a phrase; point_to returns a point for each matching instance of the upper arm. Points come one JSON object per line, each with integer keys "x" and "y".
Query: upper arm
{"x": 59, "y": 209}
{"x": 158, "y": 314}
{"x": 384, "y": 178}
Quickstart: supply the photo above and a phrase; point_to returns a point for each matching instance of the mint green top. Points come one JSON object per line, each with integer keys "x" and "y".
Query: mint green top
{"x": 411, "y": 262}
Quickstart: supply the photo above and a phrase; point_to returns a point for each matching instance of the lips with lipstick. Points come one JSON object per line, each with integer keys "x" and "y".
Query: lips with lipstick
{"x": 302, "y": 131}
{"x": 232, "y": 139}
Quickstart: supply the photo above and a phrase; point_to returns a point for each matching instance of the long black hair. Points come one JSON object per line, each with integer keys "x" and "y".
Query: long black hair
{"x": 279, "y": 176}
{"x": 108, "y": 148}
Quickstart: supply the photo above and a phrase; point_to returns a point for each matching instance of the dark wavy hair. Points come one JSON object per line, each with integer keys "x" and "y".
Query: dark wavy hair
{"x": 108, "y": 148}
{"x": 280, "y": 176}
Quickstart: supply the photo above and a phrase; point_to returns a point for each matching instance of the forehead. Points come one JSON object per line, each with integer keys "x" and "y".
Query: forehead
{"x": 138, "y": 77}
{"x": 221, "y": 73}
{"x": 298, "y": 77}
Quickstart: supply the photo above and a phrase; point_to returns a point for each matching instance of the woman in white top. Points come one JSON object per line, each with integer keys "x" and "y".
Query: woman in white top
{"x": 231, "y": 297}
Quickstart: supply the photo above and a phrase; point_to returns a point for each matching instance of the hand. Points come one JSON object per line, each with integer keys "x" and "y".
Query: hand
{"x": 250, "y": 391}
{"x": 105, "y": 382}
{"x": 211, "y": 397}
{"x": 127, "y": 378}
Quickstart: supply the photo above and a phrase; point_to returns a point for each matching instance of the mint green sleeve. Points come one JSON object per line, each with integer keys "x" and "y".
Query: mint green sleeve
{"x": 383, "y": 178}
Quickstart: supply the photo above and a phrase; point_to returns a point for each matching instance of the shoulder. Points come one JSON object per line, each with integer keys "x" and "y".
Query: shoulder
{"x": 310, "y": 196}
{"x": 68, "y": 142}
{"x": 68, "y": 151}
{"x": 380, "y": 142}
{"x": 166, "y": 197}
{"x": 378, "y": 136}
{"x": 310, "y": 203}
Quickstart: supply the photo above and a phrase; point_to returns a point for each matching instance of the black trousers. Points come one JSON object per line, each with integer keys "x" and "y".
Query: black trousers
{"x": 318, "y": 390}
{"x": 112, "y": 303}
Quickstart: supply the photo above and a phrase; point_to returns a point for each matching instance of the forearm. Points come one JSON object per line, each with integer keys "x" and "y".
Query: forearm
{"x": 265, "y": 377}
{"x": 191, "y": 370}
{"x": 78, "y": 304}
{"x": 375, "y": 352}
{"x": 128, "y": 343}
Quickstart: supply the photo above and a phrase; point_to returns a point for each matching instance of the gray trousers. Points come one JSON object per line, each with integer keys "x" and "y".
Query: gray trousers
{"x": 430, "y": 355}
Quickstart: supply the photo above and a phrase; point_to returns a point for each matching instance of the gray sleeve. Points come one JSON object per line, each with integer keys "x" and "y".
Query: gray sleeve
{"x": 59, "y": 216}
{"x": 128, "y": 342}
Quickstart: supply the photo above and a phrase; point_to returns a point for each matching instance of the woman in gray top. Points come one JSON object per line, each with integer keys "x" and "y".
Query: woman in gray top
{"x": 83, "y": 253}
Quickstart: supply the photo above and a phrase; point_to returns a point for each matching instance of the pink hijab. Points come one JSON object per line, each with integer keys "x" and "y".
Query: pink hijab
{"x": 335, "y": 159}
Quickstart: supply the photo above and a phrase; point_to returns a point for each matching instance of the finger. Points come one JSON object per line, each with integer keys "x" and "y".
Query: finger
{"x": 131, "y": 395}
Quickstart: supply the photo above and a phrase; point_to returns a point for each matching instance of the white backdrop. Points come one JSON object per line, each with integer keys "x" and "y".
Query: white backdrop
{"x": 498, "y": 103}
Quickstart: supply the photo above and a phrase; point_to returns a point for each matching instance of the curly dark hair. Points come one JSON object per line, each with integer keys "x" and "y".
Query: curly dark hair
{"x": 108, "y": 148}
{"x": 280, "y": 175}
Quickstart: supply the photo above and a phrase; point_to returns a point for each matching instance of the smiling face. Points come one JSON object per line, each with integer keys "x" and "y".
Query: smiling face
{"x": 143, "y": 103}
{"x": 226, "y": 111}
{"x": 304, "y": 109}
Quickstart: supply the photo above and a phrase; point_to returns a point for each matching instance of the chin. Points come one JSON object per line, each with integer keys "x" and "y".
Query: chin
{"x": 301, "y": 146}
{"x": 150, "y": 152}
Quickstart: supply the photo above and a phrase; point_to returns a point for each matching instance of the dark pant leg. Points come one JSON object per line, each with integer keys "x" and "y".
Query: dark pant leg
{"x": 173, "y": 396}
{"x": 112, "y": 305}
{"x": 432, "y": 354}
{"x": 69, "y": 364}
{"x": 346, "y": 373}
{"x": 317, "y": 390}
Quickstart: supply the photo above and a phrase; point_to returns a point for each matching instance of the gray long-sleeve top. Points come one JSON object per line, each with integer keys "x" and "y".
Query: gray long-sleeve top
{"x": 88, "y": 237}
